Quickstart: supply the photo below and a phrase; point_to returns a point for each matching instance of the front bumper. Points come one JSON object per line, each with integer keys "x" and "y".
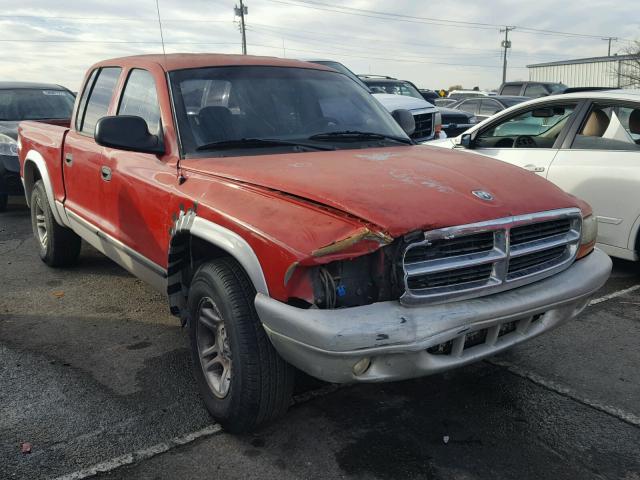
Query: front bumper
{"x": 406, "y": 342}
{"x": 10, "y": 183}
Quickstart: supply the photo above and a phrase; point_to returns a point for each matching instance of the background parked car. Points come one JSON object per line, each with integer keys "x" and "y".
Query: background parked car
{"x": 445, "y": 102}
{"x": 429, "y": 95}
{"x": 25, "y": 101}
{"x": 426, "y": 116}
{"x": 462, "y": 94}
{"x": 587, "y": 143}
{"x": 531, "y": 89}
{"x": 485, "y": 107}
{"x": 454, "y": 122}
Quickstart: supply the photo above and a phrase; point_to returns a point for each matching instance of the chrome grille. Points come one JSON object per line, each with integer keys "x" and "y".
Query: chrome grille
{"x": 478, "y": 259}
{"x": 424, "y": 126}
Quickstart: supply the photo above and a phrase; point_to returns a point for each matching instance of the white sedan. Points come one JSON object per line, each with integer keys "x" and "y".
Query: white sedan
{"x": 587, "y": 143}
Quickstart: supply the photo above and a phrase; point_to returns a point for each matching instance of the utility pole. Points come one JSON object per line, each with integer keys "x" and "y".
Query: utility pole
{"x": 506, "y": 44}
{"x": 241, "y": 11}
{"x": 610, "y": 39}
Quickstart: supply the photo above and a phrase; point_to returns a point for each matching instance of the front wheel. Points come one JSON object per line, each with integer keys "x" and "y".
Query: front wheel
{"x": 58, "y": 246}
{"x": 243, "y": 381}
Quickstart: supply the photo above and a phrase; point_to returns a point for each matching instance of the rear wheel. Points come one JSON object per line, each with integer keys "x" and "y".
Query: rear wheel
{"x": 4, "y": 199}
{"x": 58, "y": 246}
{"x": 243, "y": 381}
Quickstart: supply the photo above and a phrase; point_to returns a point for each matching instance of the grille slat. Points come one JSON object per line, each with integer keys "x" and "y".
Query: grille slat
{"x": 478, "y": 259}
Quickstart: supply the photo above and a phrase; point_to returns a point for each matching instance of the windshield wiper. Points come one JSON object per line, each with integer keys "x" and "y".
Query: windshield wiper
{"x": 258, "y": 143}
{"x": 357, "y": 135}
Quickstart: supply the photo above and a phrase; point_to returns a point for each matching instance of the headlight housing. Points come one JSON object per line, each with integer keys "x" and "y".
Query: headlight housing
{"x": 437, "y": 124}
{"x": 589, "y": 235}
{"x": 8, "y": 146}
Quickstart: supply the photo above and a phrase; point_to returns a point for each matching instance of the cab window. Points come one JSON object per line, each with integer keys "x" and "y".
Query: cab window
{"x": 535, "y": 91}
{"x": 99, "y": 98}
{"x": 139, "y": 98}
{"x": 534, "y": 128}
{"x": 610, "y": 127}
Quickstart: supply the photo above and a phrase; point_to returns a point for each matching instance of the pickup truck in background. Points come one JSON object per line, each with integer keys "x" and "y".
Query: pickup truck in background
{"x": 293, "y": 223}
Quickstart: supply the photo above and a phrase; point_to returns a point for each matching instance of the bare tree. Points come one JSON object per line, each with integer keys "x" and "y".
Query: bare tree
{"x": 628, "y": 68}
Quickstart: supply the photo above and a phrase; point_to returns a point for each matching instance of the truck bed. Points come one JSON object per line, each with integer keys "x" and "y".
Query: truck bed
{"x": 47, "y": 138}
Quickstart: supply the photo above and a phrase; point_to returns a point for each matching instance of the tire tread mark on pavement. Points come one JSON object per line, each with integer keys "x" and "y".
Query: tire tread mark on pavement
{"x": 568, "y": 392}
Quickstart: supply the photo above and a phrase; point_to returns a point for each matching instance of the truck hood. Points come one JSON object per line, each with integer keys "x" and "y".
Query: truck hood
{"x": 398, "y": 189}
{"x": 394, "y": 102}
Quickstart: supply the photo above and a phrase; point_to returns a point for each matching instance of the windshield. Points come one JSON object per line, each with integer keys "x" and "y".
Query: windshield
{"x": 232, "y": 105}
{"x": 338, "y": 67}
{"x": 394, "y": 88}
{"x": 35, "y": 104}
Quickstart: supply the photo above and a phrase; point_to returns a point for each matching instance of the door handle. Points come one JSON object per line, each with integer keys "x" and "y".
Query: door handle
{"x": 533, "y": 168}
{"x": 105, "y": 172}
{"x": 68, "y": 159}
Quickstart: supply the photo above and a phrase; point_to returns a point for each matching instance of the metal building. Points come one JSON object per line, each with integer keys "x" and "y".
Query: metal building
{"x": 589, "y": 72}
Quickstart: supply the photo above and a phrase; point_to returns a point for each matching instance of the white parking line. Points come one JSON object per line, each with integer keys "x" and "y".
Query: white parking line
{"x": 142, "y": 454}
{"x": 619, "y": 293}
{"x": 620, "y": 414}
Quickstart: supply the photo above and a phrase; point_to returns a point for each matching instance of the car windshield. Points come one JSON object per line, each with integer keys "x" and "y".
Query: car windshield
{"x": 394, "y": 88}
{"x": 35, "y": 104}
{"x": 256, "y": 108}
{"x": 338, "y": 67}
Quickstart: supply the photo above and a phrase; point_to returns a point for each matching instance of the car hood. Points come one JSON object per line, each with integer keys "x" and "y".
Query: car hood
{"x": 9, "y": 128}
{"x": 394, "y": 102}
{"x": 398, "y": 189}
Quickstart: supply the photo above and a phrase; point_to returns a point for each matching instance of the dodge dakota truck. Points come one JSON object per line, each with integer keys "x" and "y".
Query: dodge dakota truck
{"x": 293, "y": 223}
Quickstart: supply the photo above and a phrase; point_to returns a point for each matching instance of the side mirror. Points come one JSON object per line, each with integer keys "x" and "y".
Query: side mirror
{"x": 466, "y": 140}
{"x": 405, "y": 120}
{"x": 127, "y": 132}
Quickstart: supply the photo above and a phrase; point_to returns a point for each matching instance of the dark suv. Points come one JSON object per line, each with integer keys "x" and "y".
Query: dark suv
{"x": 531, "y": 89}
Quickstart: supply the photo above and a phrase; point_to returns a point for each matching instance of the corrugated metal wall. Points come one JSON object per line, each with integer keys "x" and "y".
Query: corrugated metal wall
{"x": 595, "y": 74}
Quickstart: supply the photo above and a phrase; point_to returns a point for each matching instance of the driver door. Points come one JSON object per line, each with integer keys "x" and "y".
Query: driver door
{"x": 529, "y": 138}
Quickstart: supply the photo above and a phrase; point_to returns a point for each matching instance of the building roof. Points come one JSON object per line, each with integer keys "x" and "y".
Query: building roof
{"x": 612, "y": 58}
{"x": 180, "y": 61}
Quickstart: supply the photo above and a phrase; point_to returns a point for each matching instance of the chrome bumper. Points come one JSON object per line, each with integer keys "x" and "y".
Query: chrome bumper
{"x": 395, "y": 339}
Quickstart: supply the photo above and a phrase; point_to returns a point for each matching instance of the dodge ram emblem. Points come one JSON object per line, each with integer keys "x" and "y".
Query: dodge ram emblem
{"x": 482, "y": 195}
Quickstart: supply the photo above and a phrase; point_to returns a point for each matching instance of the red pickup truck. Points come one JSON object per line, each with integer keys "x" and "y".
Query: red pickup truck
{"x": 293, "y": 223}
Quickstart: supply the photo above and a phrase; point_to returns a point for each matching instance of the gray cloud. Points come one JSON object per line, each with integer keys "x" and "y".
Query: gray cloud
{"x": 430, "y": 55}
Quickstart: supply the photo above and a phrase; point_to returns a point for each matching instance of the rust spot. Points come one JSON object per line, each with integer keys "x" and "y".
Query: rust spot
{"x": 344, "y": 243}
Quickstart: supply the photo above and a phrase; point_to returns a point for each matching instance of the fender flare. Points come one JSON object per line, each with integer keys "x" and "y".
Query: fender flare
{"x": 232, "y": 243}
{"x": 33, "y": 156}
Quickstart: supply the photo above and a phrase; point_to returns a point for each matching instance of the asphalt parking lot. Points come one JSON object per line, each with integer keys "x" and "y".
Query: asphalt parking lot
{"x": 96, "y": 376}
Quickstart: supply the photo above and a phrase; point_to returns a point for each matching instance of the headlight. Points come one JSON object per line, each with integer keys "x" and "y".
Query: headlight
{"x": 438, "y": 119}
{"x": 474, "y": 119}
{"x": 589, "y": 235}
{"x": 8, "y": 146}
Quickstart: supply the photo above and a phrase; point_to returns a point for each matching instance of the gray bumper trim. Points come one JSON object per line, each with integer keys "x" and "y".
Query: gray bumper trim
{"x": 326, "y": 343}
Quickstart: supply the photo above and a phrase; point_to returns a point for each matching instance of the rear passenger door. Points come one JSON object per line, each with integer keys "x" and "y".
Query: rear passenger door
{"x": 82, "y": 157}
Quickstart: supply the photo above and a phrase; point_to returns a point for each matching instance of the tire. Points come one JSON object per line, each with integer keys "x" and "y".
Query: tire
{"x": 4, "y": 200}
{"x": 58, "y": 246}
{"x": 261, "y": 384}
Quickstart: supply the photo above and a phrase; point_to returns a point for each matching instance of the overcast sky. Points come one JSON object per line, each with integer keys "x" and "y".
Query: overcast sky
{"x": 55, "y": 41}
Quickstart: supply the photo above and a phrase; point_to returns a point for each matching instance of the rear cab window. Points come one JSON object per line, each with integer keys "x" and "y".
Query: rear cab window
{"x": 99, "y": 92}
{"x": 139, "y": 98}
{"x": 512, "y": 89}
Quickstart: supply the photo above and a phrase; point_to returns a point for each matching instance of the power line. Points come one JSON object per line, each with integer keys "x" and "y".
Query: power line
{"x": 416, "y": 19}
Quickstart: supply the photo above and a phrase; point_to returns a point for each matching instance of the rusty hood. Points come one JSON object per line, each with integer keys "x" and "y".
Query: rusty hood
{"x": 399, "y": 189}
